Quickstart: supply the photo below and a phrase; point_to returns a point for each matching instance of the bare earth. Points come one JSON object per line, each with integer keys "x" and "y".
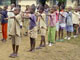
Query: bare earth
{"x": 67, "y": 50}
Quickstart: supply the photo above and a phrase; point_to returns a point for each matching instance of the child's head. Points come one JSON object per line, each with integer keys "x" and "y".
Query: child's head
{"x": 0, "y": 9}
{"x": 12, "y": 6}
{"x": 69, "y": 8}
{"x": 16, "y": 10}
{"x": 41, "y": 9}
{"x": 52, "y": 9}
{"x": 27, "y": 7}
{"x": 5, "y": 7}
{"x": 32, "y": 10}
{"x": 76, "y": 9}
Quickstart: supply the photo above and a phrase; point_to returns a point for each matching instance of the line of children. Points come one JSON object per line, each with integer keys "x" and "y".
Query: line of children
{"x": 57, "y": 21}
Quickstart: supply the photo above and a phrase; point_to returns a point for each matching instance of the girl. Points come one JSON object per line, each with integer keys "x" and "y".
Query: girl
{"x": 62, "y": 17}
{"x": 43, "y": 27}
{"x": 69, "y": 24}
{"x": 52, "y": 27}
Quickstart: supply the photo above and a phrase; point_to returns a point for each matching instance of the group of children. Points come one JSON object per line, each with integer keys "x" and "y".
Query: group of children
{"x": 40, "y": 20}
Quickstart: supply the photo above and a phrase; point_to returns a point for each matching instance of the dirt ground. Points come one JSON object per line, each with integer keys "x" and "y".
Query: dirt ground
{"x": 67, "y": 50}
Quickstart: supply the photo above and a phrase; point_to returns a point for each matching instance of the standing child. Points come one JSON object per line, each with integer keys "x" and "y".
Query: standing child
{"x": 15, "y": 32}
{"x": 32, "y": 28}
{"x": 69, "y": 24}
{"x": 4, "y": 22}
{"x": 62, "y": 24}
{"x": 43, "y": 27}
{"x": 26, "y": 21}
{"x": 75, "y": 20}
{"x": 52, "y": 26}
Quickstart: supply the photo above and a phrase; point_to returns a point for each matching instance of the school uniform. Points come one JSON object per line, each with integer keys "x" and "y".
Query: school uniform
{"x": 69, "y": 23}
{"x": 15, "y": 31}
{"x": 75, "y": 19}
{"x": 10, "y": 20}
{"x": 43, "y": 25}
{"x": 4, "y": 24}
{"x": 26, "y": 24}
{"x": 33, "y": 26}
{"x": 52, "y": 28}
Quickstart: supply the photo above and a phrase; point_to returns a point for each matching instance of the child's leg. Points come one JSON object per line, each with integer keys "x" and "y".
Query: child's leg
{"x": 61, "y": 33}
{"x": 49, "y": 34}
{"x": 31, "y": 42}
{"x": 13, "y": 44}
{"x": 17, "y": 48}
{"x": 42, "y": 41}
{"x": 53, "y": 32}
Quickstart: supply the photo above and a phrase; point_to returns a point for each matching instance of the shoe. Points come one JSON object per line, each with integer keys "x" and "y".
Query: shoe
{"x": 69, "y": 38}
{"x": 61, "y": 40}
{"x": 50, "y": 44}
{"x": 4, "y": 41}
{"x": 66, "y": 38}
{"x": 75, "y": 36}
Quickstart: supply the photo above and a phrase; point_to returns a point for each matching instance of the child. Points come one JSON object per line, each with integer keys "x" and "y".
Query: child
{"x": 52, "y": 26}
{"x": 32, "y": 28}
{"x": 75, "y": 20}
{"x": 15, "y": 32}
{"x": 57, "y": 22}
{"x": 10, "y": 14}
{"x": 4, "y": 22}
{"x": 69, "y": 24}
{"x": 26, "y": 21}
{"x": 43, "y": 27}
{"x": 62, "y": 17}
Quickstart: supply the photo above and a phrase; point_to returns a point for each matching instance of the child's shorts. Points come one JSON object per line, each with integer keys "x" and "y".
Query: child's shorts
{"x": 69, "y": 28}
{"x": 43, "y": 31}
{"x": 33, "y": 33}
{"x": 57, "y": 26}
{"x": 62, "y": 26}
{"x": 16, "y": 40}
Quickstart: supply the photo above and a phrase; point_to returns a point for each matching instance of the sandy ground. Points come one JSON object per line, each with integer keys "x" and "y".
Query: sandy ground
{"x": 60, "y": 51}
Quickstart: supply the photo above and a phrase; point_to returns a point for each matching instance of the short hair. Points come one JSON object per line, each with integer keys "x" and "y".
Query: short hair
{"x": 41, "y": 8}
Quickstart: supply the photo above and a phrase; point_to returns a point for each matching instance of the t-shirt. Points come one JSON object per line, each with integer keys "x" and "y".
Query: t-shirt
{"x": 69, "y": 18}
{"x": 75, "y": 17}
{"x": 52, "y": 19}
{"x": 62, "y": 17}
{"x": 32, "y": 21}
{"x": 4, "y": 15}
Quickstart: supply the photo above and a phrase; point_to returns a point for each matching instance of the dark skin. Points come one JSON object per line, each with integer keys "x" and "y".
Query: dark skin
{"x": 32, "y": 40}
{"x": 15, "y": 47}
{"x": 43, "y": 42}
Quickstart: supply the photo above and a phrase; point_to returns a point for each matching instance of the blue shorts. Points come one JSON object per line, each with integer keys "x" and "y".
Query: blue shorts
{"x": 69, "y": 28}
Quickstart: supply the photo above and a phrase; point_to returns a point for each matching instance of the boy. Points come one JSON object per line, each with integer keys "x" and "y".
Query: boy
{"x": 43, "y": 27}
{"x": 15, "y": 32}
{"x": 52, "y": 26}
{"x": 4, "y": 22}
{"x": 10, "y": 14}
{"x": 32, "y": 28}
{"x": 69, "y": 24}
